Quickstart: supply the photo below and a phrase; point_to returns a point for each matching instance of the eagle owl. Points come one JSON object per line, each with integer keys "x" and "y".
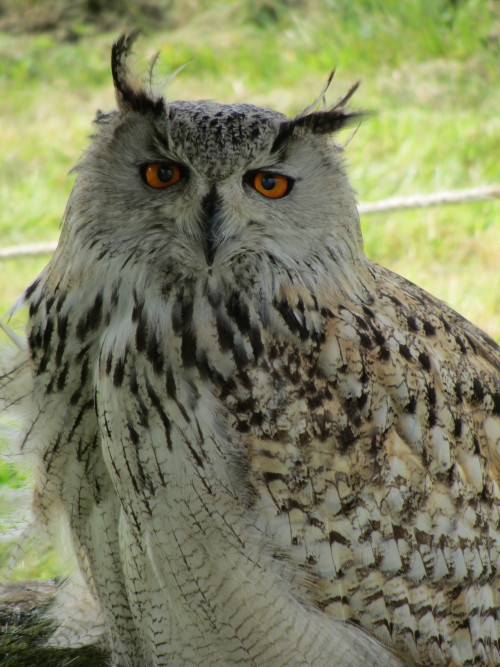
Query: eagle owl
{"x": 268, "y": 449}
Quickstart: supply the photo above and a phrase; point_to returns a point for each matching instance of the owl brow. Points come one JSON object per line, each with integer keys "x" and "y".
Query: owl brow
{"x": 321, "y": 122}
{"x": 318, "y": 122}
{"x": 160, "y": 141}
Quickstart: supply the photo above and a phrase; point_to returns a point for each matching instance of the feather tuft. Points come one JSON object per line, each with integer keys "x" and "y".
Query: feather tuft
{"x": 131, "y": 96}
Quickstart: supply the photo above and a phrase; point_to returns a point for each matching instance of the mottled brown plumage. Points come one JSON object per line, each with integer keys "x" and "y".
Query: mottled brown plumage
{"x": 259, "y": 439}
{"x": 378, "y": 463}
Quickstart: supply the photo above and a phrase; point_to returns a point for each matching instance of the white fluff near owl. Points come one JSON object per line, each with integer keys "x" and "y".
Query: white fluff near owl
{"x": 265, "y": 448}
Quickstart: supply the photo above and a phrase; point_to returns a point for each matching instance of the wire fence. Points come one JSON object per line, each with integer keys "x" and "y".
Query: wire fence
{"x": 366, "y": 208}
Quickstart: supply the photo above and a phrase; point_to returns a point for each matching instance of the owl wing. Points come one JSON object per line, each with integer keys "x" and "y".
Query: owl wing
{"x": 380, "y": 477}
{"x": 51, "y": 384}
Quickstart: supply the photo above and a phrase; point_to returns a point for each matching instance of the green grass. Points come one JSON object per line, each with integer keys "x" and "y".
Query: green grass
{"x": 429, "y": 70}
{"x": 22, "y": 643}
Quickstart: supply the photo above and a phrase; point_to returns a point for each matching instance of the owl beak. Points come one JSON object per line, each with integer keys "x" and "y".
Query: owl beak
{"x": 211, "y": 245}
{"x": 211, "y": 216}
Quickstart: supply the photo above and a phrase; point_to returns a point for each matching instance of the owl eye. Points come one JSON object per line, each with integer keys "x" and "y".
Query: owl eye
{"x": 271, "y": 185}
{"x": 161, "y": 175}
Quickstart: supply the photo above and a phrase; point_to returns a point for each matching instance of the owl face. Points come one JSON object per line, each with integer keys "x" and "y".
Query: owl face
{"x": 207, "y": 186}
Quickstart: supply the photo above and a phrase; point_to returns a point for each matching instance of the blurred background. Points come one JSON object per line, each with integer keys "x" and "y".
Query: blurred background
{"x": 430, "y": 70}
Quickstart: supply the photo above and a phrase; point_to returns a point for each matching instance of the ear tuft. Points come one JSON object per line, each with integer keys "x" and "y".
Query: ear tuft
{"x": 321, "y": 122}
{"x": 130, "y": 96}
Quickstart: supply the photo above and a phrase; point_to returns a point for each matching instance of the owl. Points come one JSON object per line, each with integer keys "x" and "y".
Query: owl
{"x": 263, "y": 448}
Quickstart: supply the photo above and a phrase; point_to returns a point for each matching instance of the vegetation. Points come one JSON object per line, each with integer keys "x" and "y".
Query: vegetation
{"x": 23, "y": 638}
{"x": 429, "y": 70}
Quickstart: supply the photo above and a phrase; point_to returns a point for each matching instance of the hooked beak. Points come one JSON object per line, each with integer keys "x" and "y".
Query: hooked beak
{"x": 211, "y": 214}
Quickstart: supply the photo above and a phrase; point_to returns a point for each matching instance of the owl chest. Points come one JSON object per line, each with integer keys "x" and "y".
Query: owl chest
{"x": 182, "y": 389}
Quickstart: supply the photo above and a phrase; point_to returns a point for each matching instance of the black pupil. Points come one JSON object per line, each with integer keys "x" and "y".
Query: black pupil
{"x": 268, "y": 182}
{"x": 165, "y": 173}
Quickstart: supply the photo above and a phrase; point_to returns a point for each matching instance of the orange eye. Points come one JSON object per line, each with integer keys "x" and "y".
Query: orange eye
{"x": 271, "y": 185}
{"x": 161, "y": 175}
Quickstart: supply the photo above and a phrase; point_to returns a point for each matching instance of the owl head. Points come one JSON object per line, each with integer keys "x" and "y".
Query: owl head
{"x": 187, "y": 188}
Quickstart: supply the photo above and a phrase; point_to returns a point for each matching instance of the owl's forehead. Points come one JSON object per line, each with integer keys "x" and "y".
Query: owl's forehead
{"x": 218, "y": 137}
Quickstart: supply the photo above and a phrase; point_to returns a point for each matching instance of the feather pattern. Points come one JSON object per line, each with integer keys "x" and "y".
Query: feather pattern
{"x": 271, "y": 452}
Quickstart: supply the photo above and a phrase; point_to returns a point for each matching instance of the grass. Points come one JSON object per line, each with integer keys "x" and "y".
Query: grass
{"x": 23, "y": 638}
{"x": 428, "y": 69}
